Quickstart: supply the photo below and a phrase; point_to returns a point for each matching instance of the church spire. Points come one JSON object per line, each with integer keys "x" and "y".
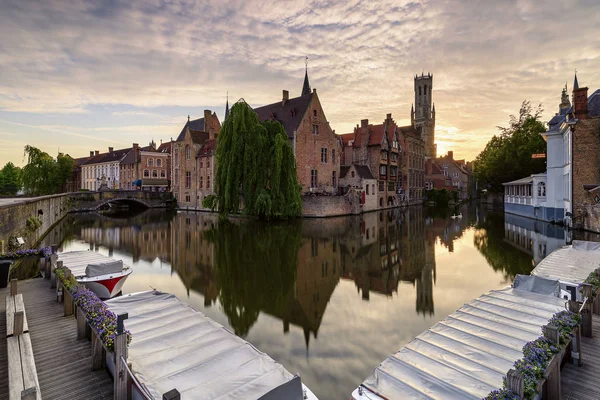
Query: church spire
{"x": 227, "y": 107}
{"x": 575, "y": 83}
{"x": 306, "y": 86}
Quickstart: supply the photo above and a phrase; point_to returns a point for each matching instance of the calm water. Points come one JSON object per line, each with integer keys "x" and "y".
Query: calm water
{"x": 329, "y": 299}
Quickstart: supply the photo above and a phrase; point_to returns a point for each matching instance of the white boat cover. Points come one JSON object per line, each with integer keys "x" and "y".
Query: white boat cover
{"x": 176, "y": 347}
{"x": 536, "y": 284}
{"x": 571, "y": 264}
{"x": 466, "y": 355}
{"x": 78, "y": 262}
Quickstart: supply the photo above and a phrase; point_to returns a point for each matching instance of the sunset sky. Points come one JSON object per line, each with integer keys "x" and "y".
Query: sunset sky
{"x": 84, "y": 75}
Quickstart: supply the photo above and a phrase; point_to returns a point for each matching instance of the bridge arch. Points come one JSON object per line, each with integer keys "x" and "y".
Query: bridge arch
{"x": 123, "y": 200}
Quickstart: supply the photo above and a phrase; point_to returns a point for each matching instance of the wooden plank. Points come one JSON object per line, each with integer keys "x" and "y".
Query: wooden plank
{"x": 10, "y": 315}
{"x": 13, "y": 287}
{"x": 18, "y": 324}
{"x": 120, "y": 379}
{"x": 30, "y": 378}
{"x": 15, "y": 375}
{"x": 20, "y": 306}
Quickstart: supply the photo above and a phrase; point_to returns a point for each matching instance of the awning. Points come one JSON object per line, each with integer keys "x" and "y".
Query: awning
{"x": 522, "y": 181}
{"x": 137, "y": 182}
{"x": 155, "y": 182}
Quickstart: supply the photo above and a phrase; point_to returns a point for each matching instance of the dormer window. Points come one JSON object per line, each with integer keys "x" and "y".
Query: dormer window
{"x": 315, "y": 113}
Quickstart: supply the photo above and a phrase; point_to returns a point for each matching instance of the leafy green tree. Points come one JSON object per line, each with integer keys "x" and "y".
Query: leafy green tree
{"x": 42, "y": 174}
{"x": 10, "y": 179}
{"x": 507, "y": 156}
{"x": 255, "y": 162}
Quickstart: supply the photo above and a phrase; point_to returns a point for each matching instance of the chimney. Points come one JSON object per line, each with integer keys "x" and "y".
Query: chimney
{"x": 97, "y": 152}
{"x": 315, "y": 90}
{"x": 286, "y": 97}
{"x": 388, "y": 116}
{"x": 580, "y": 103}
{"x": 364, "y": 123}
{"x": 136, "y": 149}
{"x": 92, "y": 153}
{"x": 451, "y": 155}
{"x": 110, "y": 149}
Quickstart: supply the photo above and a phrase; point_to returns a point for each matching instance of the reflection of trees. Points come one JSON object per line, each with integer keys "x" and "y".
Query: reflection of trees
{"x": 489, "y": 240}
{"x": 255, "y": 268}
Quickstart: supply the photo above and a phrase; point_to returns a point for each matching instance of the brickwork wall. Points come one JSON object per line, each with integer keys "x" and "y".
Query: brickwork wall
{"x": 329, "y": 206}
{"x": 206, "y": 176}
{"x": 187, "y": 197}
{"x": 586, "y": 171}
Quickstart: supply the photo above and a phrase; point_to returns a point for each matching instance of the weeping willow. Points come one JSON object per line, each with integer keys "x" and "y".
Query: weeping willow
{"x": 255, "y": 163}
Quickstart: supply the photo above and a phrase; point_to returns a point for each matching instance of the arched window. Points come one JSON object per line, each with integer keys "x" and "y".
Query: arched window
{"x": 146, "y": 173}
{"x": 208, "y": 182}
{"x": 187, "y": 152}
{"x": 200, "y": 183}
{"x": 541, "y": 189}
{"x": 425, "y": 90}
{"x": 154, "y": 173}
{"x": 158, "y": 162}
{"x": 151, "y": 162}
{"x": 163, "y": 173}
{"x": 419, "y": 90}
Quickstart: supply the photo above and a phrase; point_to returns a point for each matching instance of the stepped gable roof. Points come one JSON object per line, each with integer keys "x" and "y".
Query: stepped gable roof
{"x": 289, "y": 114}
{"x": 116, "y": 155}
{"x": 377, "y": 133}
{"x": 209, "y": 147}
{"x": 196, "y": 124}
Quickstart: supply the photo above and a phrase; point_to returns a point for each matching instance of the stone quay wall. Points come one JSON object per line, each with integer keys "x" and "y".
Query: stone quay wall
{"x": 331, "y": 206}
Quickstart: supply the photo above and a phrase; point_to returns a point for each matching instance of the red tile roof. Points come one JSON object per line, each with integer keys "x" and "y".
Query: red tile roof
{"x": 347, "y": 137}
{"x": 209, "y": 147}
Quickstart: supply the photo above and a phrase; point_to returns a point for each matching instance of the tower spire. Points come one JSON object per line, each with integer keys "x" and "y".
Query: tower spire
{"x": 227, "y": 106}
{"x": 575, "y": 83}
{"x": 306, "y": 87}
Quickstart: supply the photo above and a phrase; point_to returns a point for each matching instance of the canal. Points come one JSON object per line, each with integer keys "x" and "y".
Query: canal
{"x": 328, "y": 298}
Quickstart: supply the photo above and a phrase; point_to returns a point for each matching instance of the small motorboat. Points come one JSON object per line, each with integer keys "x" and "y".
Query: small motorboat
{"x": 103, "y": 275}
{"x": 459, "y": 216}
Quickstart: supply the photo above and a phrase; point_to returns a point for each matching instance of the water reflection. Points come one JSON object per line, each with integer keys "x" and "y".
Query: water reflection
{"x": 354, "y": 288}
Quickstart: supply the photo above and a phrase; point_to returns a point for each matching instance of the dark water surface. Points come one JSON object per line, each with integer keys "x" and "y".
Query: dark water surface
{"x": 331, "y": 298}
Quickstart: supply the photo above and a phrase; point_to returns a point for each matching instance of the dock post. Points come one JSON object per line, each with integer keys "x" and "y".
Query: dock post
{"x": 576, "y": 341}
{"x": 586, "y": 312}
{"x": 120, "y": 378}
{"x": 53, "y": 265}
{"x": 596, "y": 305}
{"x": 514, "y": 383}
{"x": 98, "y": 352}
{"x": 552, "y": 385}
{"x": 43, "y": 269}
{"x": 29, "y": 394}
{"x": 57, "y": 284}
{"x": 172, "y": 394}
{"x": 13, "y": 287}
{"x": 81, "y": 324}
{"x": 68, "y": 298}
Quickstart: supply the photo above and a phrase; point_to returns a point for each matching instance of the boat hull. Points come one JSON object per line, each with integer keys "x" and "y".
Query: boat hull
{"x": 106, "y": 286}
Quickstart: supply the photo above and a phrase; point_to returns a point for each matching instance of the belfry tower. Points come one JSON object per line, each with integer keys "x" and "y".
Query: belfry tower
{"x": 424, "y": 112}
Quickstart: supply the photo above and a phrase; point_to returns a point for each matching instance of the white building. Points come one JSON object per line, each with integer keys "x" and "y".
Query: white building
{"x": 102, "y": 167}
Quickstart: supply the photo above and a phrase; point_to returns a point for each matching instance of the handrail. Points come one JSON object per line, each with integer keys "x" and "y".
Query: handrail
{"x": 583, "y": 304}
{"x": 141, "y": 386}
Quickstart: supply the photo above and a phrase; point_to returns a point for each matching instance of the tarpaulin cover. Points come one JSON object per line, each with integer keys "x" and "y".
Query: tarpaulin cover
{"x": 466, "y": 355}
{"x": 176, "y": 347}
{"x": 103, "y": 268}
{"x": 571, "y": 264}
{"x": 536, "y": 284}
{"x": 77, "y": 262}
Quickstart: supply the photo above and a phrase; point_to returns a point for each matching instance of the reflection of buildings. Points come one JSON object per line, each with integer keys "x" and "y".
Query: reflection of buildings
{"x": 536, "y": 238}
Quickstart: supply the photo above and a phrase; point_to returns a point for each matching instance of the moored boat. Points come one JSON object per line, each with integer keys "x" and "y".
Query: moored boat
{"x": 103, "y": 275}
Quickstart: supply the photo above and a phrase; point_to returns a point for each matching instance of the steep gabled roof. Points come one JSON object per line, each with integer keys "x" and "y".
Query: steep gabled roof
{"x": 196, "y": 124}
{"x": 164, "y": 147}
{"x": 362, "y": 171}
{"x": 289, "y": 114}
{"x": 346, "y": 138}
{"x": 199, "y": 137}
{"x": 209, "y": 147}
{"x": 116, "y": 155}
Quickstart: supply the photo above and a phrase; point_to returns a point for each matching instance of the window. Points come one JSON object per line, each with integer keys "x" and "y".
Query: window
{"x": 201, "y": 164}
{"x": 367, "y": 189}
{"x": 151, "y": 162}
{"x": 313, "y": 178}
{"x": 383, "y": 170}
{"x": 333, "y": 156}
{"x": 163, "y": 173}
{"x": 323, "y": 155}
{"x": 541, "y": 189}
{"x": 391, "y": 186}
{"x": 373, "y": 188}
{"x": 154, "y": 173}
{"x": 381, "y": 186}
{"x": 158, "y": 162}
{"x": 146, "y": 173}
{"x": 176, "y": 156}
{"x": 352, "y": 173}
{"x": 393, "y": 171}
{"x": 208, "y": 164}
{"x": 419, "y": 90}
{"x": 314, "y": 113}
{"x": 187, "y": 152}
{"x": 333, "y": 179}
{"x": 384, "y": 154}
{"x": 208, "y": 182}
{"x": 188, "y": 179}
{"x": 315, "y": 130}
{"x": 187, "y": 199}
{"x": 200, "y": 184}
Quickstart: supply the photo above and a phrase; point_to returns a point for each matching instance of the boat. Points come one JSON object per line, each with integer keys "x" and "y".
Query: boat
{"x": 103, "y": 275}
{"x": 176, "y": 347}
{"x": 570, "y": 265}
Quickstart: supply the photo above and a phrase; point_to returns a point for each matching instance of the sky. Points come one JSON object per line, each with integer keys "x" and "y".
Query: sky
{"x": 77, "y": 75}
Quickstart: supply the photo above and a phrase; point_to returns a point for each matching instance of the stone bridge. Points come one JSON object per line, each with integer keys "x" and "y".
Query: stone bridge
{"x": 91, "y": 201}
{"x": 31, "y": 218}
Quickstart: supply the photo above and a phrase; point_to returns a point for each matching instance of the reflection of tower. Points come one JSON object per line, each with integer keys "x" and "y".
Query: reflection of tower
{"x": 424, "y": 112}
{"x": 425, "y": 285}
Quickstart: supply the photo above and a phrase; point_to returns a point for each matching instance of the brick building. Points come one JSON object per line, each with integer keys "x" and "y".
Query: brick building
{"x": 435, "y": 177}
{"x": 378, "y": 147}
{"x": 423, "y": 115}
{"x": 145, "y": 168}
{"x": 316, "y": 147}
{"x": 455, "y": 171}
{"x": 413, "y": 164}
{"x": 190, "y": 183}
{"x": 359, "y": 177}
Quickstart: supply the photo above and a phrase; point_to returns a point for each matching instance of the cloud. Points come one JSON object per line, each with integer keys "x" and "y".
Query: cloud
{"x": 61, "y": 58}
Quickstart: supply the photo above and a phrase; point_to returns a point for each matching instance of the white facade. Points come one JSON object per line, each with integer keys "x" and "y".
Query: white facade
{"x": 92, "y": 175}
{"x": 559, "y": 156}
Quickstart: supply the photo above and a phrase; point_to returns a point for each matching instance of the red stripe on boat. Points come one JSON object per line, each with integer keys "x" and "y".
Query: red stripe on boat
{"x": 110, "y": 283}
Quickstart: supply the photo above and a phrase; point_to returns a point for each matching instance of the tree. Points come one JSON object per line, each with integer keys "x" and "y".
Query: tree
{"x": 10, "y": 179}
{"x": 255, "y": 161}
{"x": 507, "y": 157}
{"x": 42, "y": 174}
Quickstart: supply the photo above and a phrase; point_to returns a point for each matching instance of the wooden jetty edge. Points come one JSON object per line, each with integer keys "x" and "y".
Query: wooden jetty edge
{"x": 62, "y": 362}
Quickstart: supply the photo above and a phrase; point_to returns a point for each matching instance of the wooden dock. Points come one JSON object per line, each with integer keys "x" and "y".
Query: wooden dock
{"x": 62, "y": 361}
{"x": 582, "y": 383}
